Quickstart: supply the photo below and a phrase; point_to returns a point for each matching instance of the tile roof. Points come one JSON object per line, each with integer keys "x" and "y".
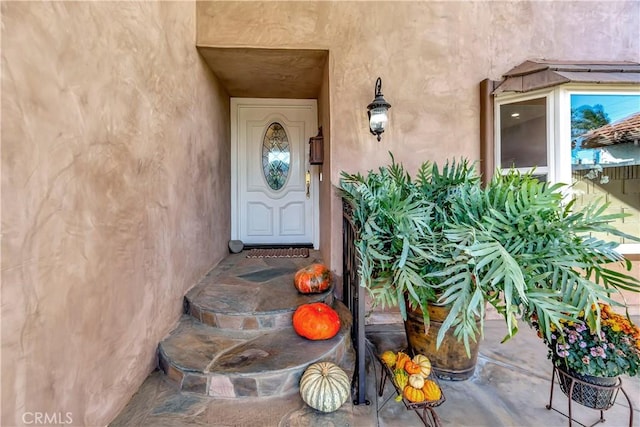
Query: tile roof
{"x": 623, "y": 131}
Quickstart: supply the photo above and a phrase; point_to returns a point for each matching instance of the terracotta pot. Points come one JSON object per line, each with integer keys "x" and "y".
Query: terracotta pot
{"x": 450, "y": 361}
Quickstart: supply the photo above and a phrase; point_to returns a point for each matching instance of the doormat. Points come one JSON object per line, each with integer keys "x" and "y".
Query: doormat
{"x": 279, "y": 253}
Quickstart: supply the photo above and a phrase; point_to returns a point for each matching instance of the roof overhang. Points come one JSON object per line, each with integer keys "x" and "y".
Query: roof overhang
{"x": 539, "y": 74}
{"x": 267, "y": 73}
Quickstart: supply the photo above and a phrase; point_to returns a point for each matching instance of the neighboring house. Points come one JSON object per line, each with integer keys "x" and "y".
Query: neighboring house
{"x": 625, "y": 131}
{"x": 125, "y": 167}
{"x": 614, "y": 144}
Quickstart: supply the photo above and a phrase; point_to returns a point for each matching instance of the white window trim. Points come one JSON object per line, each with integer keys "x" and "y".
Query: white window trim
{"x": 508, "y": 99}
{"x": 558, "y": 154}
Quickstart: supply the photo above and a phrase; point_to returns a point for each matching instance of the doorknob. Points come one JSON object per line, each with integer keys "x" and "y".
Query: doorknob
{"x": 308, "y": 182}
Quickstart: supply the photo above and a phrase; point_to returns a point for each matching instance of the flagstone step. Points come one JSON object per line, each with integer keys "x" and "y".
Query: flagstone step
{"x": 251, "y": 293}
{"x": 225, "y": 363}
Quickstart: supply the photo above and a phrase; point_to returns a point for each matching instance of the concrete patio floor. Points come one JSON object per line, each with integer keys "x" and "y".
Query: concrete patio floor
{"x": 510, "y": 387}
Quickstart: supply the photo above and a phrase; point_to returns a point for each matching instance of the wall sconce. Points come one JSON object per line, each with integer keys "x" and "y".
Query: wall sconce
{"x": 377, "y": 111}
{"x": 316, "y": 148}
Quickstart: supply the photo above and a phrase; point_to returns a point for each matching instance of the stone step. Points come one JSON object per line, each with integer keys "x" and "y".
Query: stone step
{"x": 245, "y": 364}
{"x": 251, "y": 293}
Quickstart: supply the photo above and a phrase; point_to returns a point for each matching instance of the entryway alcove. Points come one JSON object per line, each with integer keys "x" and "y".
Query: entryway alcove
{"x": 235, "y": 339}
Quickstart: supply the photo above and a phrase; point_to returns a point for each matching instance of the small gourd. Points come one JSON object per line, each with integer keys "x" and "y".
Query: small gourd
{"x": 401, "y": 360}
{"x": 401, "y": 378}
{"x": 431, "y": 390}
{"x": 413, "y": 394}
{"x": 389, "y": 358}
{"x": 416, "y": 381}
{"x": 324, "y": 386}
{"x": 424, "y": 362}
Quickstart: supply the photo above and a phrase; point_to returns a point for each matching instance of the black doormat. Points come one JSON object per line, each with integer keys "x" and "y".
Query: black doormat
{"x": 279, "y": 253}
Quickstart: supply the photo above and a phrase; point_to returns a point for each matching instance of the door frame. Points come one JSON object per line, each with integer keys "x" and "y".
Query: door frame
{"x": 311, "y": 104}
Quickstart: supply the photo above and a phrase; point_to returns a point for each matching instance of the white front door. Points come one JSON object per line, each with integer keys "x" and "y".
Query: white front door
{"x": 272, "y": 203}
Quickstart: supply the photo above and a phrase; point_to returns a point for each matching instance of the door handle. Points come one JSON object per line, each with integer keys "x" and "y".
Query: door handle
{"x": 308, "y": 183}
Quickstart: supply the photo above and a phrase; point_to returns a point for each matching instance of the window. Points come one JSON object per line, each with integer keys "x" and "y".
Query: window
{"x": 605, "y": 153}
{"x": 585, "y": 134}
{"x": 524, "y": 121}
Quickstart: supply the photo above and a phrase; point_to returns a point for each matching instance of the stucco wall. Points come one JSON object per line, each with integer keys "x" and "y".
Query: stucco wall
{"x": 326, "y": 188}
{"x": 115, "y": 198}
{"x": 431, "y": 57}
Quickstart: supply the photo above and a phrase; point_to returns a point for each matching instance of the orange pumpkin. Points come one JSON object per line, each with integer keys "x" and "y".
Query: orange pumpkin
{"x": 411, "y": 367}
{"x": 316, "y": 321}
{"x": 413, "y": 394}
{"x": 431, "y": 390}
{"x": 312, "y": 279}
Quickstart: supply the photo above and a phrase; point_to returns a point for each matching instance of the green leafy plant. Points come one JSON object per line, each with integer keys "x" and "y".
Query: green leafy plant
{"x": 514, "y": 244}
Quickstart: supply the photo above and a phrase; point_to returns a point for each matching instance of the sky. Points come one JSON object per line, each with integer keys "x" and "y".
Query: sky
{"x": 616, "y": 106}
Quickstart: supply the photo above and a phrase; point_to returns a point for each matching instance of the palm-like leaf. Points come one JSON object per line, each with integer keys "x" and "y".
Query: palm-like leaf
{"x": 515, "y": 245}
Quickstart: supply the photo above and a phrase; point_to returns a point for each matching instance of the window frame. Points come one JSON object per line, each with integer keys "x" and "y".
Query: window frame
{"x": 519, "y": 97}
{"x": 558, "y": 132}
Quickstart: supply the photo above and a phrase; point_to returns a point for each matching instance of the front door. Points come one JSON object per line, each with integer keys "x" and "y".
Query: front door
{"x": 273, "y": 188}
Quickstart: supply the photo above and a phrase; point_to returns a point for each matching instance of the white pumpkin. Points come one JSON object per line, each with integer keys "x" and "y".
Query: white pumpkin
{"x": 325, "y": 386}
{"x": 416, "y": 381}
{"x": 425, "y": 364}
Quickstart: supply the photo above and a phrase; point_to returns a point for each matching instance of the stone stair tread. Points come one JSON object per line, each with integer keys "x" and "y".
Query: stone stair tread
{"x": 273, "y": 351}
{"x": 192, "y": 345}
{"x": 196, "y": 347}
{"x": 227, "y": 297}
{"x": 254, "y": 294}
{"x": 238, "y": 364}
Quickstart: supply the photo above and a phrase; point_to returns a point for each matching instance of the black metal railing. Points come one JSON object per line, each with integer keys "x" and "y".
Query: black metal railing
{"x": 353, "y": 297}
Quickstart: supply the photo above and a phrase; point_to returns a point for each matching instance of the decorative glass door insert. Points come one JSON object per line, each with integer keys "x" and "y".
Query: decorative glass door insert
{"x": 276, "y": 156}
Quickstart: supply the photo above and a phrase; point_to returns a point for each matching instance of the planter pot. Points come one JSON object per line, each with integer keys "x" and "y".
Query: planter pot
{"x": 450, "y": 361}
{"x": 592, "y": 392}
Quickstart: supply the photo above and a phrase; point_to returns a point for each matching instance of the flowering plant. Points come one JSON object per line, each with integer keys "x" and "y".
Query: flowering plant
{"x": 614, "y": 351}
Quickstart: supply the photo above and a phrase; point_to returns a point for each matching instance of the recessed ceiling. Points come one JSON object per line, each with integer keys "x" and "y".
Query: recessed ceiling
{"x": 267, "y": 73}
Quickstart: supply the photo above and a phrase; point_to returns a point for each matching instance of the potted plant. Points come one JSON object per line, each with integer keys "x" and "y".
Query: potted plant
{"x": 442, "y": 238}
{"x": 586, "y": 357}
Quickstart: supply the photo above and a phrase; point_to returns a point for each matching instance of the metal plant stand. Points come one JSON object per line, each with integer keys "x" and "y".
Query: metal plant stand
{"x": 425, "y": 410}
{"x": 599, "y": 397}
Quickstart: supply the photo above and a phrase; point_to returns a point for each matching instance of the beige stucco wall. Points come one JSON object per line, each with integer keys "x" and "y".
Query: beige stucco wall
{"x": 431, "y": 57}
{"x": 326, "y": 188}
{"x": 115, "y": 197}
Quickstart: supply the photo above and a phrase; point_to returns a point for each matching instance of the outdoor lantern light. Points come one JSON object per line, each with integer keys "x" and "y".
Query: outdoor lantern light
{"x": 377, "y": 111}
{"x": 316, "y": 148}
